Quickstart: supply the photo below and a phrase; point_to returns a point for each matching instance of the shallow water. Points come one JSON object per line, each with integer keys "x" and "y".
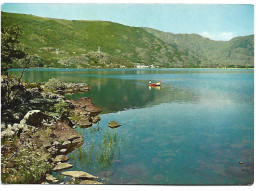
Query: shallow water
{"x": 195, "y": 129}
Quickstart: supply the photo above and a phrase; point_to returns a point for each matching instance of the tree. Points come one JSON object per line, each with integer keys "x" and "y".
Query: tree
{"x": 12, "y": 48}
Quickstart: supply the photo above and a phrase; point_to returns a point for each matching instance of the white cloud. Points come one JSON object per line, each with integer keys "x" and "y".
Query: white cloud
{"x": 225, "y": 36}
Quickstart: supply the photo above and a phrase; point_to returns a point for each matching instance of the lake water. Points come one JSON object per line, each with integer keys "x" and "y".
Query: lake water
{"x": 195, "y": 129}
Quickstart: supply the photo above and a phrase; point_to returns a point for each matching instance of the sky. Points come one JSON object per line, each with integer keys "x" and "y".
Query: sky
{"x": 217, "y": 22}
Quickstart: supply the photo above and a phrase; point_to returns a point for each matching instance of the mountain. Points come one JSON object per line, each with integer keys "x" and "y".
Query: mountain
{"x": 84, "y": 44}
{"x": 238, "y": 52}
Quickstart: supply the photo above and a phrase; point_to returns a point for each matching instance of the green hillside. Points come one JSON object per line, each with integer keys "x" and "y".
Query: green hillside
{"x": 71, "y": 43}
{"x": 238, "y": 52}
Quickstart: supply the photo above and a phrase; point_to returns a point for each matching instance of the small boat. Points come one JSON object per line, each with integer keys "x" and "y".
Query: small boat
{"x": 155, "y": 84}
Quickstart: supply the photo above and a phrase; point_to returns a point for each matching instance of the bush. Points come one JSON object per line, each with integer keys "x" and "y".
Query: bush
{"x": 54, "y": 84}
{"x": 62, "y": 109}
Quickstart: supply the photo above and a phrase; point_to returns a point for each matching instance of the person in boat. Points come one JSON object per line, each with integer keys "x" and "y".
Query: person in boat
{"x": 150, "y": 82}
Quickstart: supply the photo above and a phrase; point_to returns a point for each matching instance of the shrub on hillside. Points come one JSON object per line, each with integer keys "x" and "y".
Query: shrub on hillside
{"x": 54, "y": 84}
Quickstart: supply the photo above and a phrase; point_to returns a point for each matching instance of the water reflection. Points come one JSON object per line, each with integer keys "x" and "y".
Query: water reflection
{"x": 154, "y": 87}
{"x": 194, "y": 130}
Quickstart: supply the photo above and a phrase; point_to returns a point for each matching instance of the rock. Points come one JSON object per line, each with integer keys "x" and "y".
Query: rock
{"x": 51, "y": 178}
{"x": 78, "y": 174}
{"x": 18, "y": 116}
{"x": 60, "y": 158}
{"x": 90, "y": 182}
{"x": 34, "y": 118}
{"x": 66, "y": 143}
{"x": 15, "y": 127}
{"x": 113, "y": 124}
{"x": 85, "y": 106}
{"x": 63, "y": 132}
{"x": 76, "y": 141}
{"x": 44, "y": 183}
{"x": 241, "y": 163}
{"x": 7, "y": 133}
{"x": 62, "y": 166}
{"x": 95, "y": 119}
{"x": 63, "y": 150}
{"x": 85, "y": 123}
{"x": 55, "y": 143}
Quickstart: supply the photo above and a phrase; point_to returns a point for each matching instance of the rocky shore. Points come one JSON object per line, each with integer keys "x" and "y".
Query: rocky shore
{"x": 37, "y": 130}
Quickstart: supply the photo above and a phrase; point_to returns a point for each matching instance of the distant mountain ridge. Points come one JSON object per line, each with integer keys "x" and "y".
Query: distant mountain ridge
{"x": 92, "y": 44}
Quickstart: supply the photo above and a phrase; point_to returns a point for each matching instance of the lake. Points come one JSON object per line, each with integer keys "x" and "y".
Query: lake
{"x": 195, "y": 129}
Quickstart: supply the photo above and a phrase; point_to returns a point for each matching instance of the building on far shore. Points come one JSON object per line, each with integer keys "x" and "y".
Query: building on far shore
{"x": 145, "y": 66}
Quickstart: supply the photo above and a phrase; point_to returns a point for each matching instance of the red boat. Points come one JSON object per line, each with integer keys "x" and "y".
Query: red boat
{"x": 155, "y": 84}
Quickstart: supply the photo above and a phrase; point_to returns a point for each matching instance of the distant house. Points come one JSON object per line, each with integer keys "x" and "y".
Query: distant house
{"x": 142, "y": 66}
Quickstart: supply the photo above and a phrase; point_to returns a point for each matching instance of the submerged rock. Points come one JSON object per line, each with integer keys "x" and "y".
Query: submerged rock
{"x": 78, "y": 174}
{"x": 113, "y": 124}
{"x": 62, "y": 166}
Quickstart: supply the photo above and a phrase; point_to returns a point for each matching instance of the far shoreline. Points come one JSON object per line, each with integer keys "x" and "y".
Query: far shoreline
{"x": 18, "y": 69}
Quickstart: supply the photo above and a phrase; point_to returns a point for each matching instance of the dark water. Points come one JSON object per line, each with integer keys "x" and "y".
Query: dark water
{"x": 194, "y": 130}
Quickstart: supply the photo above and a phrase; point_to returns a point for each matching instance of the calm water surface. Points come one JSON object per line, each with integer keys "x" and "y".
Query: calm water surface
{"x": 195, "y": 129}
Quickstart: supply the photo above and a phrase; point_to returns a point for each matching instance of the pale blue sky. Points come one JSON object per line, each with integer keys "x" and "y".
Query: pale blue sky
{"x": 218, "y": 22}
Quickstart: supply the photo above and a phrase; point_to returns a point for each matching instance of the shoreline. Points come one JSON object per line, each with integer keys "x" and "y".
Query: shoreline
{"x": 18, "y": 69}
{"x": 35, "y": 141}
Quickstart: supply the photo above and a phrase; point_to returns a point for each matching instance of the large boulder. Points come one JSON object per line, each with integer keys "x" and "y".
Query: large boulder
{"x": 34, "y": 118}
{"x": 85, "y": 106}
{"x": 65, "y": 134}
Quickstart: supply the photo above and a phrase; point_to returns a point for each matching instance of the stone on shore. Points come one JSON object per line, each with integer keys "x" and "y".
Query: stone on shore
{"x": 66, "y": 143}
{"x": 60, "y": 158}
{"x": 95, "y": 119}
{"x": 51, "y": 178}
{"x": 113, "y": 124}
{"x": 63, "y": 150}
{"x": 78, "y": 174}
{"x": 62, "y": 166}
{"x": 84, "y": 106}
{"x": 90, "y": 182}
{"x": 85, "y": 123}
